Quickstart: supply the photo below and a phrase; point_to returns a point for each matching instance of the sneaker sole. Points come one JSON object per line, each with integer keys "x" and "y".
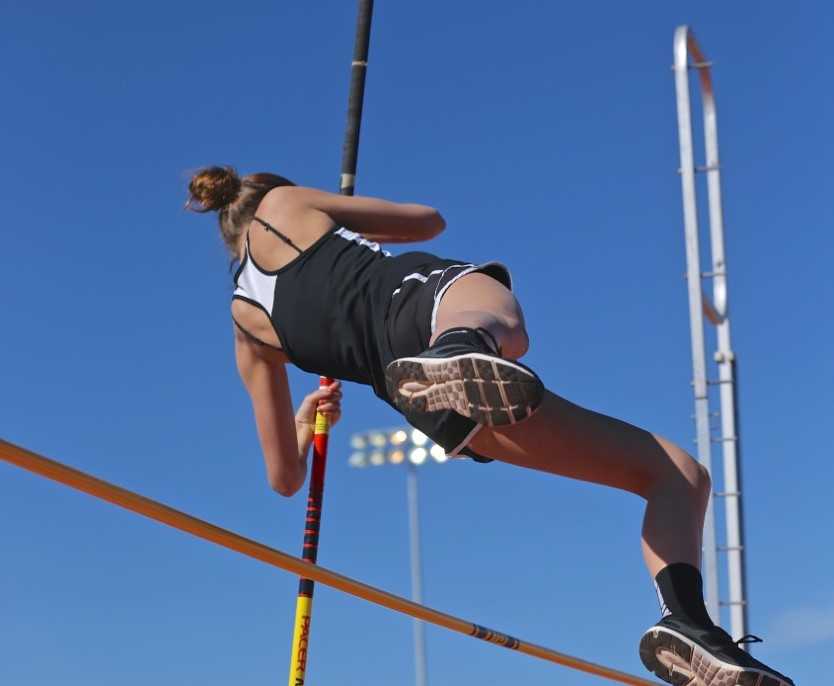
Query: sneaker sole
{"x": 488, "y": 390}
{"x": 682, "y": 662}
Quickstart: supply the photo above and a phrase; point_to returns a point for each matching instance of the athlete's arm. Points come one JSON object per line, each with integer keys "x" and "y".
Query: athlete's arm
{"x": 264, "y": 375}
{"x": 373, "y": 218}
{"x": 285, "y": 439}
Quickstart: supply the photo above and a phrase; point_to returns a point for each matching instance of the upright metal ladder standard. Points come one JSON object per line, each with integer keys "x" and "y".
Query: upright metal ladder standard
{"x": 716, "y": 313}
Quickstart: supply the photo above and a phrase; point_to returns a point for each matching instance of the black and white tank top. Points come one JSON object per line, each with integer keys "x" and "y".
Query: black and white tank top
{"x": 324, "y": 305}
{"x": 345, "y": 308}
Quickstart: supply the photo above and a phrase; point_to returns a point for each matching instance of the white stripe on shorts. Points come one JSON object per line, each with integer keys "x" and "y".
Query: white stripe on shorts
{"x": 420, "y": 277}
{"x": 455, "y": 452}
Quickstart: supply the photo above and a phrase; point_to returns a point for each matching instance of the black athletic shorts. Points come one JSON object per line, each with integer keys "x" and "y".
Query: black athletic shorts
{"x": 410, "y": 325}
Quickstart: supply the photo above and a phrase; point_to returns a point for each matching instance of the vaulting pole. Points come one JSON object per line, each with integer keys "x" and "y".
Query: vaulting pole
{"x": 315, "y": 498}
{"x": 356, "y": 96}
{"x": 312, "y": 525}
{"x": 50, "y": 469}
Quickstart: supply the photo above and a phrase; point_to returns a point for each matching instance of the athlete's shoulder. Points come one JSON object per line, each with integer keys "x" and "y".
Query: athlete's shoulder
{"x": 294, "y": 197}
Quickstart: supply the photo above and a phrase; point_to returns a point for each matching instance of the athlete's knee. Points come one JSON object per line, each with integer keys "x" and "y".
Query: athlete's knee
{"x": 672, "y": 469}
{"x": 696, "y": 476}
{"x": 515, "y": 341}
{"x": 518, "y": 343}
{"x": 703, "y": 482}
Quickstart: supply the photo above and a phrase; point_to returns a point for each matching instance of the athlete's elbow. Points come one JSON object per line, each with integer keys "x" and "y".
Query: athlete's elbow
{"x": 285, "y": 483}
{"x": 286, "y": 491}
{"x": 435, "y": 223}
{"x": 283, "y": 486}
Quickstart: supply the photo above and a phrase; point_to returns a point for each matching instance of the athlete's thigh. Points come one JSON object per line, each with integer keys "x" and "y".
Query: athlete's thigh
{"x": 479, "y": 291}
{"x": 566, "y": 439}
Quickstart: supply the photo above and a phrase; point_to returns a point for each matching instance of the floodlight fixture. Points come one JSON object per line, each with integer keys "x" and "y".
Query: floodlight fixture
{"x": 438, "y": 453}
{"x": 398, "y": 437}
{"x": 357, "y": 459}
{"x": 377, "y": 458}
{"x": 418, "y": 456}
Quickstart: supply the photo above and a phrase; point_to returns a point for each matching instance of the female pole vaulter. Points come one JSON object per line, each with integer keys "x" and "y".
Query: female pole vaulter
{"x": 439, "y": 339}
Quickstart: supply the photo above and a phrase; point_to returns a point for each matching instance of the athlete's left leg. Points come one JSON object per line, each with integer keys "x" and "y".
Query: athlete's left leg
{"x": 478, "y": 301}
{"x": 469, "y": 366}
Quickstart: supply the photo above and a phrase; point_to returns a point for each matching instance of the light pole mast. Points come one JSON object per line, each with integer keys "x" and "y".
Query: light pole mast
{"x": 416, "y": 574}
{"x": 403, "y": 445}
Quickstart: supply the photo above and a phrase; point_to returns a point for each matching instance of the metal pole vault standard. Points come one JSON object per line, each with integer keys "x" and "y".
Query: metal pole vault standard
{"x": 42, "y": 466}
{"x": 315, "y": 499}
{"x": 717, "y": 314}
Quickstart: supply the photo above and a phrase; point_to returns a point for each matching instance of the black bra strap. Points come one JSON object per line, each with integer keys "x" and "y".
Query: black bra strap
{"x": 272, "y": 229}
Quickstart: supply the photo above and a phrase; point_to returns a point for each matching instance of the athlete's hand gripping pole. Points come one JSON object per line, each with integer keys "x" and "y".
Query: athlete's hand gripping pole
{"x": 350, "y": 154}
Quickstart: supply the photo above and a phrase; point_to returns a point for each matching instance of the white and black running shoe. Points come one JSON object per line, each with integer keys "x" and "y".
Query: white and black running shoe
{"x": 460, "y": 372}
{"x": 687, "y": 655}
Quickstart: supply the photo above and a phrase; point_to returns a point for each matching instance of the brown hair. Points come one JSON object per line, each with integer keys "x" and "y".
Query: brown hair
{"x": 235, "y": 199}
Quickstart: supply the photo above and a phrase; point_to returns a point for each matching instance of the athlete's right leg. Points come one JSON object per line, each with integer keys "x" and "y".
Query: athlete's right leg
{"x": 567, "y": 440}
{"x": 564, "y": 439}
{"x": 684, "y": 647}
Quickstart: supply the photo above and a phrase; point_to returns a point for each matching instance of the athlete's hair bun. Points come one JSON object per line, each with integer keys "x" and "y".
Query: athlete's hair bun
{"x": 213, "y": 188}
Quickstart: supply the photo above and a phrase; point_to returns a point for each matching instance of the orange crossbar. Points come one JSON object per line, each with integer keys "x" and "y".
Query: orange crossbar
{"x": 128, "y": 500}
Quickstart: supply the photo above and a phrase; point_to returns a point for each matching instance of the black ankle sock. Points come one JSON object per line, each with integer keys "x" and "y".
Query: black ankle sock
{"x": 480, "y": 338}
{"x": 680, "y": 590}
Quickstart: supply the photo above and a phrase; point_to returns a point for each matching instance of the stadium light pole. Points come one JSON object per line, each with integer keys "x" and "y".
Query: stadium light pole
{"x": 409, "y": 447}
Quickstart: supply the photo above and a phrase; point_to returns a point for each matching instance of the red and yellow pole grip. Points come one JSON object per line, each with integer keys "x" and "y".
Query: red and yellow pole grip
{"x": 312, "y": 525}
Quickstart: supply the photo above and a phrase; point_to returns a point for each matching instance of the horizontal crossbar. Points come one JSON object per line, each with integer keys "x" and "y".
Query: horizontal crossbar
{"x": 134, "y": 502}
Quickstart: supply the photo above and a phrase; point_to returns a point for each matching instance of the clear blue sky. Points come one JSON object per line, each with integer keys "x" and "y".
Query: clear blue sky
{"x": 545, "y": 132}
